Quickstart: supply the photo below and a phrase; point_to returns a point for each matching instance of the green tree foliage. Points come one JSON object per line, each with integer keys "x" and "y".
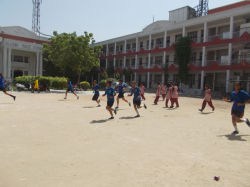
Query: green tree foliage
{"x": 183, "y": 54}
{"x": 117, "y": 76}
{"x": 166, "y": 75}
{"x": 75, "y": 52}
{"x": 104, "y": 76}
{"x": 127, "y": 74}
{"x": 111, "y": 71}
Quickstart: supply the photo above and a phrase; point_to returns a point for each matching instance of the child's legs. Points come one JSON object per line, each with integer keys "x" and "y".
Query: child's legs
{"x": 7, "y": 93}
{"x": 172, "y": 102}
{"x": 176, "y": 102}
{"x": 203, "y": 104}
{"x": 73, "y": 93}
{"x": 210, "y": 104}
{"x": 124, "y": 99}
{"x": 156, "y": 99}
{"x": 142, "y": 95}
{"x": 166, "y": 102}
{"x": 163, "y": 96}
{"x": 66, "y": 93}
{"x": 117, "y": 99}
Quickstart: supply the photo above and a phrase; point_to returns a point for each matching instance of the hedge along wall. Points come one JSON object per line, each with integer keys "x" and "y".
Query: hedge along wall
{"x": 54, "y": 82}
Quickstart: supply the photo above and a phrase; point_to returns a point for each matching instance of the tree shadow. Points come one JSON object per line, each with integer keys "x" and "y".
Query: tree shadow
{"x": 234, "y": 137}
{"x": 128, "y": 117}
{"x": 99, "y": 121}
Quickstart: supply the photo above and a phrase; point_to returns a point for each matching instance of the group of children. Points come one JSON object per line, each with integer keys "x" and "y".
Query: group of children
{"x": 170, "y": 92}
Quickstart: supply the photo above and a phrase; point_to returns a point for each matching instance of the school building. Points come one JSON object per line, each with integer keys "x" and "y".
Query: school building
{"x": 220, "y": 49}
{"x": 21, "y": 52}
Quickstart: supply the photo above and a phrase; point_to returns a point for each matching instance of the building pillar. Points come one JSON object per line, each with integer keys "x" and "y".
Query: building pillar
{"x": 148, "y": 80}
{"x": 149, "y": 47}
{"x": 9, "y": 63}
{"x": 4, "y": 61}
{"x": 164, "y": 59}
{"x": 125, "y": 46}
{"x": 135, "y": 77}
{"x": 183, "y": 31}
{"x": 227, "y": 81}
{"x": 106, "y": 63}
{"x": 136, "y": 45}
{"x": 115, "y": 49}
{"x": 202, "y": 80}
{"x": 124, "y": 65}
{"x": 162, "y": 79}
{"x": 203, "y": 56}
{"x": 41, "y": 64}
{"x": 231, "y": 27}
{"x": 37, "y": 63}
{"x": 205, "y": 32}
{"x": 149, "y": 54}
{"x": 114, "y": 66}
{"x": 107, "y": 50}
{"x": 229, "y": 53}
{"x": 165, "y": 39}
{"x": 99, "y": 64}
{"x": 136, "y": 59}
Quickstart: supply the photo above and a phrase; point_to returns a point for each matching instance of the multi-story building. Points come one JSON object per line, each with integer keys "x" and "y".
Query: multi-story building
{"x": 220, "y": 49}
{"x": 20, "y": 52}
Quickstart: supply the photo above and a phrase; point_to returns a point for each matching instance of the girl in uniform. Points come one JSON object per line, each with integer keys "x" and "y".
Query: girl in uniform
{"x": 142, "y": 88}
{"x": 174, "y": 98}
{"x": 169, "y": 94}
{"x": 163, "y": 91}
{"x": 207, "y": 99}
{"x": 240, "y": 98}
{"x": 158, "y": 93}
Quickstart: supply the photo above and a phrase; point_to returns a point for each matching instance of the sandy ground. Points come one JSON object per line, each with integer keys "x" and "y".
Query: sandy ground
{"x": 47, "y": 141}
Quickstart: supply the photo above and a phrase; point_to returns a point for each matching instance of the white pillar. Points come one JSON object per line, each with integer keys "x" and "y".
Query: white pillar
{"x": 183, "y": 31}
{"x": 205, "y": 32}
{"x": 9, "y": 64}
{"x": 165, "y": 39}
{"x": 124, "y": 65}
{"x": 148, "y": 80}
{"x": 99, "y": 64}
{"x": 149, "y": 60}
{"x": 37, "y": 63}
{"x": 227, "y": 81}
{"x": 114, "y": 66}
{"x": 164, "y": 59}
{"x": 135, "y": 78}
{"x": 125, "y": 46}
{"x": 4, "y": 61}
{"x": 231, "y": 27}
{"x": 203, "y": 56}
{"x": 202, "y": 80}
{"x": 149, "y": 47}
{"x": 136, "y": 60}
{"x": 107, "y": 49}
{"x": 106, "y": 63}
{"x": 41, "y": 64}
{"x": 229, "y": 53}
{"x": 162, "y": 79}
{"x": 115, "y": 49}
{"x": 136, "y": 46}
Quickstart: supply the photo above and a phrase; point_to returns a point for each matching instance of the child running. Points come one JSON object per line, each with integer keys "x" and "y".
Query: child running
{"x": 137, "y": 98}
{"x": 36, "y": 86}
{"x": 70, "y": 89}
{"x": 2, "y": 87}
{"x": 207, "y": 99}
{"x": 96, "y": 89}
{"x": 240, "y": 98}
{"x": 142, "y": 88}
{"x": 158, "y": 93}
{"x": 169, "y": 94}
{"x": 163, "y": 91}
{"x": 110, "y": 92}
{"x": 174, "y": 98}
{"x": 121, "y": 87}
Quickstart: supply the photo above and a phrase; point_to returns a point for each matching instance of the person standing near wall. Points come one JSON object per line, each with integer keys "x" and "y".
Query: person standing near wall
{"x": 174, "y": 98}
{"x": 163, "y": 91}
{"x": 158, "y": 93}
{"x": 169, "y": 94}
{"x": 207, "y": 99}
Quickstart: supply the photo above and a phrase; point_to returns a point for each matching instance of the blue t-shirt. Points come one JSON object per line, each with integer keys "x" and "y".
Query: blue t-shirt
{"x": 70, "y": 85}
{"x": 96, "y": 87}
{"x": 136, "y": 91}
{"x": 240, "y": 97}
{"x": 120, "y": 87}
{"x": 2, "y": 82}
{"x": 110, "y": 92}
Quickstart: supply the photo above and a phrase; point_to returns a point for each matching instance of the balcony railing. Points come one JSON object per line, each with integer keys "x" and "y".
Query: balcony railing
{"x": 225, "y": 35}
{"x": 197, "y": 63}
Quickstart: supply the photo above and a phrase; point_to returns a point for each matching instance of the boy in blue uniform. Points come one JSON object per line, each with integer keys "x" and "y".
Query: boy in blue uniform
{"x": 96, "y": 89}
{"x": 137, "y": 98}
{"x": 240, "y": 98}
{"x": 121, "y": 87}
{"x": 110, "y": 92}
{"x": 70, "y": 89}
{"x": 2, "y": 87}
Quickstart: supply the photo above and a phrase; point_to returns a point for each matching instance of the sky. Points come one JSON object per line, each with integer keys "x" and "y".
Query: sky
{"x": 106, "y": 19}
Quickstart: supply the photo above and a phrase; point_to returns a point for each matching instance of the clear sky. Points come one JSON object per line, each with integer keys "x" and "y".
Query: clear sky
{"x": 106, "y": 19}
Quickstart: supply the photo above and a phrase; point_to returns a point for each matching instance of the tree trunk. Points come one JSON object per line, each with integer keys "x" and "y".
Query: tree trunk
{"x": 78, "y": 80}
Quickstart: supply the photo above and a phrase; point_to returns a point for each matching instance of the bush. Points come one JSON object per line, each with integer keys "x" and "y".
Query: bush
{"x": 59, "y": 82}
{"x": 104, "y": 76}
{"x": 102, "y": 84}
{"x": 85, "y": 85}
{"x": 117, "y": 76}
{"x": 24, "y": 79}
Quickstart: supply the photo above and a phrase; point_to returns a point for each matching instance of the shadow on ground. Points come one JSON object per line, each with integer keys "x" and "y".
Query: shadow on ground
{"x": 234, "y": 137}
{"x": 99, "y": 121}
{"x": 128, "y": 117}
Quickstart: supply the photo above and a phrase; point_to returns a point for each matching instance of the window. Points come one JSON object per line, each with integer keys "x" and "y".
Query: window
{"x": 202, "y": 35}
{"x": 158, "y": 60}
{"x": 167, "y": 60}
{"x": 121, "y": 47}
{"x": 127, "y": 62}
{"x": 159, "y": 42}
{"x": 168, "y": 41}
{"x": 177, "y": 37}
{"x": 176, "y": 78}
{"x": 152, "y": 44}
{"x": 200, "y": 58}
{"x": 151, "y": 60}
{"x": 147, "y": 44}
{"x": 117, "y": 49}
{"x": 141, "y": 44}
{"x": 140, "y": 61}
{"x": 193, "y": 57}
{"x": 117, "y": 63}
{"x": 128, "y": 46}
{"x": 158, "y": 78}
{"x": 120, "y": 63}
{"x": 191, "y": 80}
{"x": 26, "y": 59}
{"x": 133, "y": 62}
{"x": 26, "y": 73}
{"x": 111, "y": 49}
{"x": 18, "y": 58}
{"x": 193, "y": 35}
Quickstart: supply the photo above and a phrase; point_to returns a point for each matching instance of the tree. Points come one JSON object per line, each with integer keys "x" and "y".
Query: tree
{"x": 111, "y": 71}
{"x": 166, "y": 75}
{"x": 128, "y": 74}
{"x": 183, "y": 54}
{"x": 73, "y": 51}
{"x": 104, "y": 76}
{"x": 117, "y": 76}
